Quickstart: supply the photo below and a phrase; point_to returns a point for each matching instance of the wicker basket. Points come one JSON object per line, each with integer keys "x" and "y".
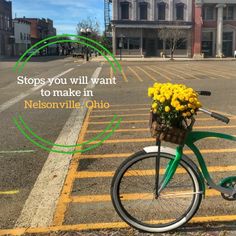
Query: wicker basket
{"x": 164, "y": 133}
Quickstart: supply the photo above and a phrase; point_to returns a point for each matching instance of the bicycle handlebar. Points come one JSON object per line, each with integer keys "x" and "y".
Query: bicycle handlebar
{"x": 220, "y": 117}
{"x": 216, "y": 115}
{"x": 204, "y": 93}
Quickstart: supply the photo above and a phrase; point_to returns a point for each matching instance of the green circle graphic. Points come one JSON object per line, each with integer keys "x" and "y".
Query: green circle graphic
{"x": 21, "y": 123}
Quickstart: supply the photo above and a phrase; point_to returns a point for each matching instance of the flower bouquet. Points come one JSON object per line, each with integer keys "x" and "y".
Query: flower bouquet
{"x": 172, "y": 106}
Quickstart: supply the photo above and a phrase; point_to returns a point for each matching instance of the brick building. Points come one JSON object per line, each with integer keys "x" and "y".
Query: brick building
{"x": 6, "y": 30}
{"x": 214, "y": 28}
{"x": 40, "y": 28}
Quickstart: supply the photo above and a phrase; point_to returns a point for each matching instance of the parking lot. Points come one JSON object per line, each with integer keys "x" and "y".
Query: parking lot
{"x": 84, "y": 203}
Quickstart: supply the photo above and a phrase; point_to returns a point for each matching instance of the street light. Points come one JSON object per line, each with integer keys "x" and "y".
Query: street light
{"x": 86, "y": 32}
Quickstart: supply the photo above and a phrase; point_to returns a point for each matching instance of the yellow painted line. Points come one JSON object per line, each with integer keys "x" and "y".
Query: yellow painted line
{"x": 94, "y": 174}
{"x": 171, "y": 73}
{"x": 106, "y": 225}
{"x": 9, "y": 192}
{"x": 146, "y": 73}
{"x": 123, "y": 115}
{"x": 146, "y": 121}
{"x": 134, "y": 140}
{"x": 135, "y": 73}
{"x": 187, "y": 152}
{"x": 124, "y": 76}
{"x": 131, "y": 109}
{"x": 147, "y": 129}
{"x": 67, "y": 188}
{"x": 184, "y": 73}
{"x": 136, "y": 196}
{"x": 218, "y": 71}
{"x": 111, "y": 72}
{"x": 159, "y": 73}
{"x": 207, "y": 71}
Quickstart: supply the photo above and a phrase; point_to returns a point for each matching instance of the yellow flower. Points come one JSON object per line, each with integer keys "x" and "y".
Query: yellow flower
{"x": 162, "y": 99}
{"x": 167, "y": 109}
{"x": 151, "y": 92}
{"x": 154, "y": 105}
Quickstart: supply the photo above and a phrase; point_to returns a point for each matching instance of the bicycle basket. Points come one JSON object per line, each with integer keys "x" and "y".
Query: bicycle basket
{"x": 166, "y": 133}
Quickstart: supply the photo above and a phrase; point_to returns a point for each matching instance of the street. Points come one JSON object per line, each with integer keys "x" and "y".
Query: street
{"x": 80, "y": 201}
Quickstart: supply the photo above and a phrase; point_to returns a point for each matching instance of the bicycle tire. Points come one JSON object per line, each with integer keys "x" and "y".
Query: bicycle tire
{"x": 185, "y": 163}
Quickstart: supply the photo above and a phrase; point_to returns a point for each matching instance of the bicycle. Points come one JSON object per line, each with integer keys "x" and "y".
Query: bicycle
{"x": 160, "y": 189}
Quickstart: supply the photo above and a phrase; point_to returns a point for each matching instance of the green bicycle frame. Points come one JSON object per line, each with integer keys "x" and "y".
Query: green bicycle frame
{"x": 193, "y": 137}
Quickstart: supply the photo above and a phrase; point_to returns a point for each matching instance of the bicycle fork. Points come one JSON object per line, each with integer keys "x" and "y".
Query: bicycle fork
{"x": 169, "y": 171}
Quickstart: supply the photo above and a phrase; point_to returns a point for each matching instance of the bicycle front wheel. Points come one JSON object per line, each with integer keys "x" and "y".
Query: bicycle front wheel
{"x": 133, "y": 193}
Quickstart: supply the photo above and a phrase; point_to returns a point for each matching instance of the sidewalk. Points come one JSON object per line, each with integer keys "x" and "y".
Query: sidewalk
{"x": 153, "y": 59}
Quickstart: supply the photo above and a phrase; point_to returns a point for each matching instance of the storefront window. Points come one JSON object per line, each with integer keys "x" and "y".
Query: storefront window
{"x": 207, "y": 43}
{"x": 134, "y": 43}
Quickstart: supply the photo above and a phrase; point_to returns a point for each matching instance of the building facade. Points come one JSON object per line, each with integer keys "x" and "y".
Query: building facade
{"x": 22, "y": 36}
{"x": 41, "y": 29}
{"x": 210, "y": 27}
{"x": 138, "y": 22}
{"x": 6, "y": 30}
{"x": 214, "y": 28}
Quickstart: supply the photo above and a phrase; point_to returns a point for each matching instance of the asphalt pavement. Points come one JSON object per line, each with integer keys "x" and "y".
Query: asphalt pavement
{"x": 83, "y": 202}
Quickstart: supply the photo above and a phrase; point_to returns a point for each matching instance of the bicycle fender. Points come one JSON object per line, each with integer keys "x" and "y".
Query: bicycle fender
{"x": 185, "y": 158}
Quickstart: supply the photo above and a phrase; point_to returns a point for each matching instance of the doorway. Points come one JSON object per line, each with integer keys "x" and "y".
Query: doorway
{"x": 151, "y": 48}
{"x": 228, "y": 44}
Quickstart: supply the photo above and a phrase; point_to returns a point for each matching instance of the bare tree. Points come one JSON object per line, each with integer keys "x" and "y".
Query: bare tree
{"x": 172, "y": 37}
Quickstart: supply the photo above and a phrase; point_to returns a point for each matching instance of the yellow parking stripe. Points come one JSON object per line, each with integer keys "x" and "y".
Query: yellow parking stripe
{"x": 145, "y": 121}
{"x": 187, "y": 152}
{"x": 124, "y": 76}
{"x": 184, "y": 73}
{"x": 68, "y": 185}
{"x": 207, "y": 71}
{"x": 146, "y": 73}
{"x": 9, "y": 192}
{"x": 135, "y": 140}
{"x": 216, "y": 70}
{"x": 136, "y": 196}
{"x": 171, "y": 73}
{"x": 94, "y": 174}
{"x": 106, "y": 225}
{"x": 159, "y": 73}
{"x": 111, "y": 72}
{"x": 135, "y": 73}
{"x": 147, "y": 129}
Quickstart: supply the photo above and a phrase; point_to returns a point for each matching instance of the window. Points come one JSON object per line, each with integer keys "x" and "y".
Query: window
{"x": 207, "y": 43}
{"x": 21, "y": 36}
{"x": 124, "y": 10}
{"x": 161, "y": 11}
{"x": 124, "y": 43}
{"x": 180, "y": 11}
{"x": 229, "y": 13}
{"x": 143, "y": 10}
{"x": 181, "y": 44}
{"x": 208, "y": 13}
{"x": 134, "y": 43}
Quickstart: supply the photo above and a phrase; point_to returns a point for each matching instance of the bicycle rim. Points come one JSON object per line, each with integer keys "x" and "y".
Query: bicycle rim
{"x": 133, "y": 194}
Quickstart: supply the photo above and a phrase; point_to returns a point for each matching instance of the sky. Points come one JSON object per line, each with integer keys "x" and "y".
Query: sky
{"x": 66, "y": 14}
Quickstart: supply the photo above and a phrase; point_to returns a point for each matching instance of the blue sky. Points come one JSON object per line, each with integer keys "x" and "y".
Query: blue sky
{"x": 65, "y": 13}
